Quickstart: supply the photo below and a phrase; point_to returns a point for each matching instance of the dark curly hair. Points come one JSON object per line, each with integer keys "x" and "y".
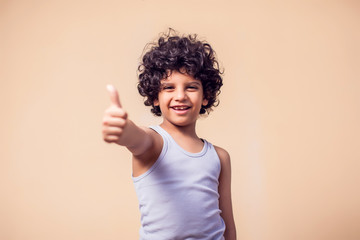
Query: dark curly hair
{"x": 183, "y": 54}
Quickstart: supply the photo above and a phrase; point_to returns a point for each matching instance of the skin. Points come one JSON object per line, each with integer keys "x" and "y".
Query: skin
{"x": 180, "y": 100}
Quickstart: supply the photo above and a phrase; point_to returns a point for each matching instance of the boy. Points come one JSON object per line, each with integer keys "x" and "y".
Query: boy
{"x": 182, "y": 181}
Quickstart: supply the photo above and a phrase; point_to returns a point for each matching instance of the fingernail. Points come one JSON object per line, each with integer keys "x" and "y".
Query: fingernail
{"x": 109, "y": 87}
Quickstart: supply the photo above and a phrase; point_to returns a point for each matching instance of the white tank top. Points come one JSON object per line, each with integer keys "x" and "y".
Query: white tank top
{"x": 178, "y": 196}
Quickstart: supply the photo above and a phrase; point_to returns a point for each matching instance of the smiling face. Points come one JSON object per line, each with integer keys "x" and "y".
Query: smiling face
{"x": 180, "y": 99}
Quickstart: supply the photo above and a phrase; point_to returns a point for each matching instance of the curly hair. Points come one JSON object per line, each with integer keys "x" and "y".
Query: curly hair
{"x": 179, "y": 53}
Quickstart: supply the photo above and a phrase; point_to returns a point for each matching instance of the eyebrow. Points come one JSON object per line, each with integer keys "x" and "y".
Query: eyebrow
{"x": 192, "y": 82}
{"x": 195, "y": 82}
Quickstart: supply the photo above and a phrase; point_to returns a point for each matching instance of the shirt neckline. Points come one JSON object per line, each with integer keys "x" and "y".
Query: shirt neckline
{"x": 198, "y": 154}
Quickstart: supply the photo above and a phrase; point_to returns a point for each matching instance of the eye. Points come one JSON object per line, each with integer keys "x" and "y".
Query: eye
{"x": 167, "y": 87}
{"x": 193, "y": 87}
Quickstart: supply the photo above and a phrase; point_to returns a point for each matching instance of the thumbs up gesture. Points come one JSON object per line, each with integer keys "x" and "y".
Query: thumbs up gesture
{"x": 115, "y": 118}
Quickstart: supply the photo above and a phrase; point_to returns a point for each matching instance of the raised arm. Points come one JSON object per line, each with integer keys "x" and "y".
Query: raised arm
{"x": 118, "y": 128}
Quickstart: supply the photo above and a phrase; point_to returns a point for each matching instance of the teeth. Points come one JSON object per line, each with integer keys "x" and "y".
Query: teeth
{"x": 180, "y": 108}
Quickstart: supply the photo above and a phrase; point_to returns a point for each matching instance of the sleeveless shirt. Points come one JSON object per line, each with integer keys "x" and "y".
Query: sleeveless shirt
{"x": 178, "y": 196}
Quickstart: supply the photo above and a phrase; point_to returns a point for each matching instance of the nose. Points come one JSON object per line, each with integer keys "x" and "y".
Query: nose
{"x": 180, "y": 94}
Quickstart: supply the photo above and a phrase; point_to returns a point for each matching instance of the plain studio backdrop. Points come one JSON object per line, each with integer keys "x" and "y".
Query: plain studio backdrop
{"x": 289, "y": 114}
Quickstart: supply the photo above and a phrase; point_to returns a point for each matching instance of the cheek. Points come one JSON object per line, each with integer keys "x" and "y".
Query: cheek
{"x": 159, "y": 100}
{"x": 163, "y": 100}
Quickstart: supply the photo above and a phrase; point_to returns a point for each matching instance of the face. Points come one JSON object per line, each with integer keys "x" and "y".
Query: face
{"x": 180, "y": 99}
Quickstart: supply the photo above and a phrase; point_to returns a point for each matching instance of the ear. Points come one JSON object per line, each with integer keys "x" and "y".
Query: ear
{"x": 205, "y": 102}
{"x": 156, "y": 103}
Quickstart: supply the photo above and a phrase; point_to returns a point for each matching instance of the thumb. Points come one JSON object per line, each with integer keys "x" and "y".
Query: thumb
{"x": 114, "y": 96}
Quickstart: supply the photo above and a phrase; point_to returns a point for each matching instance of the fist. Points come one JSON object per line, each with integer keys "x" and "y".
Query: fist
{"x": 115, "y": 118}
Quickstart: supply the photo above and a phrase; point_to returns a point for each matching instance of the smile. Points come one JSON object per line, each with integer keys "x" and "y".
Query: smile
{"x": 180, "y": 107}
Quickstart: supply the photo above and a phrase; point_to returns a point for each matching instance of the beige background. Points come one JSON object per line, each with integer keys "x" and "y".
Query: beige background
{"x": 289, "y": 114}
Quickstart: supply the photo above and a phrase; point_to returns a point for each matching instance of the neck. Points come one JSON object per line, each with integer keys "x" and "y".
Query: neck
{"x": 188, "y": 130}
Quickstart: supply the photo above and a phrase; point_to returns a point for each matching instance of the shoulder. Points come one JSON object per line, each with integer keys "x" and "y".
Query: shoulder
{"x": 143, "y": 162}
{"x": 222, "y": 153}
{"x": 156, "y": 139}
{"x": 151, "y": 145}
{"x": 224, "y": 157}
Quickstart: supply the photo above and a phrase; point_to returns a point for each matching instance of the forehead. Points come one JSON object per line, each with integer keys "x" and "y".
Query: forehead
{"x": 179, "y": 77}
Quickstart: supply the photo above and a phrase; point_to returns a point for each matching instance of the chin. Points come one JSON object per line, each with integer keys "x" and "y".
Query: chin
{"x": 182, "y": 124}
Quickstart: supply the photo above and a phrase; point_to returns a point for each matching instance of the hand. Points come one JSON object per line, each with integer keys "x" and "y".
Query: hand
{"x": 115, "y": 118}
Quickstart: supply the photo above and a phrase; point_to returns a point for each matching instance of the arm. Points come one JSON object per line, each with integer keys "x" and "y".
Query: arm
{"x": 225, "y": 203}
